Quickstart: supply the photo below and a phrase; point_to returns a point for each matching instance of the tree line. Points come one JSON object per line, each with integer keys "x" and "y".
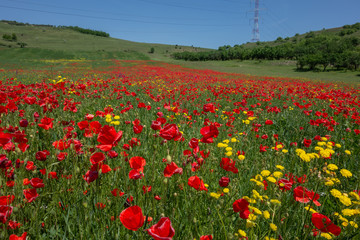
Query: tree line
{"x": 339, "y": 51}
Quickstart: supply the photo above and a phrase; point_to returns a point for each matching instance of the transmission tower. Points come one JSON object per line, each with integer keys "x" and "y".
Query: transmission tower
{"x": 255, "y": 31}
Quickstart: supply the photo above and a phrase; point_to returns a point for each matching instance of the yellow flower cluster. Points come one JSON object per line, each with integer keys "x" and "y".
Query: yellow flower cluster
{"x": 229, "y": 150}
{"x": 108, "y": 119}
{"x": 343, "y": 197}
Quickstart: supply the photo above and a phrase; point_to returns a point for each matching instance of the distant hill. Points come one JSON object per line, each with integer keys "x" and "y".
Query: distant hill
{"x": 337, "y": 48}
{"x": 56, "y": 42}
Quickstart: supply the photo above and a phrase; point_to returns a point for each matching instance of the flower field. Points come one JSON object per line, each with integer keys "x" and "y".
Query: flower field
{"x": 148, "y": 150}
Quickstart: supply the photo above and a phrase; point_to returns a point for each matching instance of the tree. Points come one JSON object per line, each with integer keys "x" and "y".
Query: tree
{"x": 152, "y": 50}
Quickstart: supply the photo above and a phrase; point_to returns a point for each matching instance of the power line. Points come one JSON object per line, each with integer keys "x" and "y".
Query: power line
{"x": 117, "y": 19}
{"x": 105, "y": 12}
{"x": 187, "y": 7}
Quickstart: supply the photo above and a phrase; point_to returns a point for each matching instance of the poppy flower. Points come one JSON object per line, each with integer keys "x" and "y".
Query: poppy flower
{"x": 6, "y": 200}
{"x": 61, "y": 144}
{"x": 97, "y": 157}
{"x": 5, "y": 212}
{"x": 224, "y": 181}
{"x": 42, "y": 155}
{"x": 324, "y": 224}
{"x": 196, "y": 183}
{"x": 172, "y": 169}
{"x": 228, "y": 165}
{"x": 156, "y": 125}
{"x": 15, "y": 237}
{"x": 46, "y": 123}
{"x": 303, "y": 195}
{"x": 170, "y": 131}
{"x": 162, "y": 230}
{"x": 209, "y": 107}
{"x": 132, "y": 218}
{"x": 285, "y": 184}
{"x": 137, "y": 163}
{"x": 116, "y": 192}
{"x": 242, "y": 207}
{"x": 307, "y": 142}
{"x": 138, "y": 128}
{"x": 37, "y": 183}
{"x": 108, "y": 137}
{"x": 209, "y": 132}
{"x": 135, "y": 174}
{"x": 91, "y": 176}
{"x": 23, "y": 123}
{"x": 61, "y": 156}
{"x": 206, "y": 237}
{"x": 30, "y": 194}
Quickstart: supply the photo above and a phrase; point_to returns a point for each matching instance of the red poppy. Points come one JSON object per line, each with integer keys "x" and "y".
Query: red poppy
{"x": 61, "y": 156}
{"x": 132, "y": 218}
{"x": 30, "y": 194}
{"x": 196, "y": 183}
{"x": 112, "y": 154}
{"x": 269, "y": 122}
{"x": 209, "y": 132}
{"x": 228, "y": 165}
{"x": 23, "y": 123}
{"x": 61, "y": 144}
{"x": 37, "y": 183}
{"x": 97, "y": 157}
{"x": 108, "y": 137}
{"x": 138, "y": 128}
{"x": 209, "y": 107}
{"x": 42, "y": 155}
{"x": 172, "y": 169}
{"x": 206, "y": 237}
{"x": 170, "y": 131}
{"x": 91, "y": 176}
{"x": 285, "y": 184}
{"x": 23, "y": 146}
{"x": 15, "y": 237}
{"x": 242, "y": 206}
{"x": 5, "y": 212}
{"x": 6, "y": 200}
{"x": 30, "y": 166}
{"x": 224, "y": 181}
{"x": 324, "y": 224}
{"x": 162, "y": 230}
{"x": 46, "y": 123}
{"x": 116, "y": 192}
{"x": 156, "y": 125}
{"x": 303, "y": 195}
{"x": 135, "y": 174}
{"x": 307, "y": 142}
{"x": 137, "y": 163}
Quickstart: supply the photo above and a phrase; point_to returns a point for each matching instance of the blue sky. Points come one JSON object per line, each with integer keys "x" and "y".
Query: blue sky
{"x": 201, "y": 23}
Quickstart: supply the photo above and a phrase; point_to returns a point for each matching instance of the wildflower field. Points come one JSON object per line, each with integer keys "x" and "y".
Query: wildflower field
{"x": 149, "y": 150}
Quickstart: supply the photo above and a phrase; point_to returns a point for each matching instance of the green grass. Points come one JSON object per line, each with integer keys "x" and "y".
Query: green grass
{"x": 276, "y": 68}
{"x": 77, "y": 45}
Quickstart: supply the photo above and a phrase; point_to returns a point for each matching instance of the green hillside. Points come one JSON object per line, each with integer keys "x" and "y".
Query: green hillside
{"x": 51, "y": 42}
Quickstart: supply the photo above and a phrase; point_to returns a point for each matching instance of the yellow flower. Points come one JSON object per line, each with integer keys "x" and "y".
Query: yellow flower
{"x": 241, "y": 157}
{"x": 345, "y": 200}
{"x": 285, "y": 151}
{"x": 354, "y": 195}
{"x": 226, "y": 141}
{"x": 336, "y": 193}
{"x": 310, "y": 209}
{"x": 266, "y": 214}
{"x": 226, "y": 190}
{"x": 250, "y": 224}
{"x": 350, "y": 212}
{"x": 271, "y": 179}
{"x": 117, "y": 117}
{"x": 329, "y": 183}
{"x": 255, "y": 210}
{"x": 326, "y": 235}
{"x": 221, "y": 145}
{"x": 277, "y": 174}
{"x": 242, "y": 233}
{"x": 273, "y": 227}
{"x": 353, "y": 224}
{"x": 332, "y": 167}
{"x": 215, "y": 195}
{"x": 275, "y": 201}
{"x": 346, "y": 173}
{"x": 280, "y": 167}
{"x": 229, "y": 149}
{"x": 233, "y": 140}
{"x": 265, "y": 173}
{"x": 228, "y": 154}
{"x": 347, "y": 152}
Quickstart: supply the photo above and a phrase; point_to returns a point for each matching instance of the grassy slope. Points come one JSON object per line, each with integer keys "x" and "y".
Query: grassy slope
{"x": 65, "y": 43}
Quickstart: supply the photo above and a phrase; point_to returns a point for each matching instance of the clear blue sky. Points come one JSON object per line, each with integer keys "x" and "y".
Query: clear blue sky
{"x": 201, "y": 23}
